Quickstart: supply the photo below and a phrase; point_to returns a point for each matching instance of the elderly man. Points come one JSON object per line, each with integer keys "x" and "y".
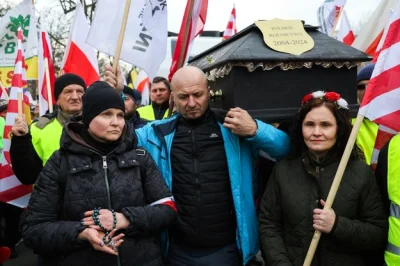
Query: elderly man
{"x": 206, "y": 158}
{"x": 32, "y": 146}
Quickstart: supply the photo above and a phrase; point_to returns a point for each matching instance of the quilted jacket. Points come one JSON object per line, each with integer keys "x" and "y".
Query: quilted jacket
{"x": 54, "y": 211}
{"x": 286, "y": 213}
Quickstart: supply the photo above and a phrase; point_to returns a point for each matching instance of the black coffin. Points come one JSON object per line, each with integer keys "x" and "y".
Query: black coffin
{"x": 270, "y": 84}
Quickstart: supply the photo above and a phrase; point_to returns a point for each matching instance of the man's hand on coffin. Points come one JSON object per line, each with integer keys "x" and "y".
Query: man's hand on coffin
{"x": 240, "y": 122}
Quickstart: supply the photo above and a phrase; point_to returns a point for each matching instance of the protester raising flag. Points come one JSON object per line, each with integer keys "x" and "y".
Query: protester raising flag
{"x": 328, "y": 15}
{"x": 231, "y": 27}
{"x": 80, "y": 58}
{"x": 145, "y": 39}
{"x": 45, "y": 54}
{"x": 22, "y": 15}
{"x": 192, "y": 25}
{"x": 11, "y": 190}
{"x": 370, "y": 35}
{"x": 345, "y": 34}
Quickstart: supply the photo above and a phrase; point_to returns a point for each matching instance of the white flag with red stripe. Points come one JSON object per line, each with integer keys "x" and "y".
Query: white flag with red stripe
{"x": 11, "y": 190}
{"x": 197, "y": 22}
{"x": 370, "y": 35}
{"x": 383, "y": 38}
{"x": 45, "y": 53}
{"x": 142, "y": 84}
{"x": 80, "y": 58}
{"x": 3, "y": 92}
{"x": 328, "y": 13}
{"x": 231, "y": 27}
{"x": 345, "y": 34}
{"x": 381, "y": 102}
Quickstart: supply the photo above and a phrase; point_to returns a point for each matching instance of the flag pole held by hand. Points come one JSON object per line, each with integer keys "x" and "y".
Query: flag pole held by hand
{"x": 121, "y": 36}
{"x": 48, "y": 85}
{"x": 19, "y": 95}
{"x": 335, "y": 185}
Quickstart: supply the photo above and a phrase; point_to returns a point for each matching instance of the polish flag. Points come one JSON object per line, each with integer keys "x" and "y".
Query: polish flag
{"x": 45, "y": 53}
{"x": 381, "y": 102}
{"x": 231, "y": 27}
{"x": 196, "y": 26}
{"x": 11, "y": 190}
{"x": 384, "y": 35}
{"x": 80, "y": 58}
{"x": 345, "y": 34}
{"x": 370, "y": 36}
{"x": 142, "y": 84}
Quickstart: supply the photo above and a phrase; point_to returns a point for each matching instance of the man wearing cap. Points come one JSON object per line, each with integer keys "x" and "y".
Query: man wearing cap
{"x": 32, "y": 146}
{"x": 368, "y": 130}
{"x": 160, "y": 92}
{"x": 133, "y": 99}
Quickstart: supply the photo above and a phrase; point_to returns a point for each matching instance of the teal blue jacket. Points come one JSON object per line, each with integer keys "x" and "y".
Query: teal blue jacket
{"x": 157, "y": 138}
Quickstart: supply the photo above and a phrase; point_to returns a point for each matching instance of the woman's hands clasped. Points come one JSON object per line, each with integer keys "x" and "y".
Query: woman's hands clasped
{"x": 95, "y": 238}
{"x": 106, "y": 219}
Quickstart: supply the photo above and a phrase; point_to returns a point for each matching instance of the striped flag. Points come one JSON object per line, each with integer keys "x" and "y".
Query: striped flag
{"x": 231, "y": 27}
{"x": 11, "y": 190}
{"x": 328, "y": 13}
{"x": 381, "y": 102}
{"x": 197, "y": 22}
{"x": 371, "y": 34}
{"x": 345, "y": 34}
{"x": 45, "y": 53}
{"x": 384, "y": 34}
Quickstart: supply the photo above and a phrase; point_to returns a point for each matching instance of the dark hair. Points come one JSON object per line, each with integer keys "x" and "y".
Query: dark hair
{"x": 343, "y": 121}
{"x": 162, "y": 79}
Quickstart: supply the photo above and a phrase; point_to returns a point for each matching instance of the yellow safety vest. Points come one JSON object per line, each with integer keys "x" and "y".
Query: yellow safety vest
{"x": 392, "y": 254}
{"x": 366, "y": 138}
{"x": 147, "y": 112}
{"x": 46, "y": 140}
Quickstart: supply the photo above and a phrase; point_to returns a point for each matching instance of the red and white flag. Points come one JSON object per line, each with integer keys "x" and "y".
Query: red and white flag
{"x": 196, "y": 26}
{"x": 370, "y": 35}
{"x": 142, "y": 84}
{"x": 382, "y": 40}
{"x": 231, "y": 27}
{"x": 381, "y": 102}
{"x": 80, "y": 58}
{"x": 345, "y": 34}
{"x": 45, "y": 53}
{"x": 328, "y": 14}
{"x": 11, "y": 190}
{"x": 3, "y": 92}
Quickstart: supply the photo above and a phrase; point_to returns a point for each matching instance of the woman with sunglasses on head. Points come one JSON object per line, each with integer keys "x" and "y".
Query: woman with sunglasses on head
{"x": 292, "y": 205}
{"x": 99, "y": 200}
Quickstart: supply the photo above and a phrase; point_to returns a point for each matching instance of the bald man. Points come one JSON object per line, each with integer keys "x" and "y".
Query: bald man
{"x": 206, "y": 157}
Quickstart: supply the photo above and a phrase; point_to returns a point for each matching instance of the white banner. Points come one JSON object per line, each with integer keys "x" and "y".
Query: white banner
{"x": 23, "y": 16}
{"x": 145, "y": 40}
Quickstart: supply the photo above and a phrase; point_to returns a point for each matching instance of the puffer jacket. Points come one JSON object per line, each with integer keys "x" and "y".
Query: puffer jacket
{"x": 55, "y": 209}
{"x": 286, "y": 213}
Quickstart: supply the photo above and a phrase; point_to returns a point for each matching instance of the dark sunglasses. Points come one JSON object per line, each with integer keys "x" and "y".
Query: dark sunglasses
{"x": 362, "y": 86}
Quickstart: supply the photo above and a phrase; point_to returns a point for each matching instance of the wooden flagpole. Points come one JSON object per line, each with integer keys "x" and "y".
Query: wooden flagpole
{"x": 185, "y": 40}
{"x": 48, "y": 85}
{"x": 4, "y": 91}
{"x": 337, "y": 20}
{"x": 335, "y": 185}
{"x": 121, "y": 36}
{"x": 19, "y": 95}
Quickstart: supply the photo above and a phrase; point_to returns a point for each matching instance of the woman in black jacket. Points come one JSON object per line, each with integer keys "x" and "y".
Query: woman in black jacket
{"x": 292, "y": 206}
{"x": 99, "y": 200}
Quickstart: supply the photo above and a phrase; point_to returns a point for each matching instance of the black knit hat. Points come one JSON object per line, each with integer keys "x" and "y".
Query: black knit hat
{"x": 134, "y": 94}
{"x": 99, "y": 97}
{"x": 65, "y": 80}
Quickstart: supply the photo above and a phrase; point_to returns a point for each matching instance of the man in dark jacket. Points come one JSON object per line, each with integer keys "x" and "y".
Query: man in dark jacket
{"x": 133, "y": 99}
{"x": 206, "y": 159}
{"x": 32, "y": 146}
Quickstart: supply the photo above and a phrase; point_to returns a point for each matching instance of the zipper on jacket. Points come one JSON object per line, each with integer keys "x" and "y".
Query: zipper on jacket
{"x": 195, "y": 166}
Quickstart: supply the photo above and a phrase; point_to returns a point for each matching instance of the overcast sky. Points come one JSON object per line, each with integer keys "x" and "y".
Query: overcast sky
{"x": 247, "y": 11}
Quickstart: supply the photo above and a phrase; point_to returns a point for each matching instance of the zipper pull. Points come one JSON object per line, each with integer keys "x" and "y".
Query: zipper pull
{"x": 104, "y": 162}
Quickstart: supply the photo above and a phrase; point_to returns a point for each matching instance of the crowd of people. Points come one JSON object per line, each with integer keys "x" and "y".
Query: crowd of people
{"x": 117, "y": 183}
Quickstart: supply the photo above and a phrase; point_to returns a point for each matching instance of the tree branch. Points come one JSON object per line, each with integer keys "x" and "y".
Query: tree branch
{"x": 56, "y": 40}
